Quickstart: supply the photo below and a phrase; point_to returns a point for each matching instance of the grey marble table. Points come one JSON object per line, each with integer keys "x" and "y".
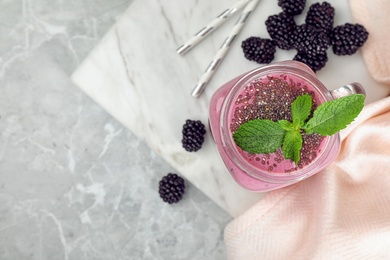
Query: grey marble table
{"x": 75, "y": 183}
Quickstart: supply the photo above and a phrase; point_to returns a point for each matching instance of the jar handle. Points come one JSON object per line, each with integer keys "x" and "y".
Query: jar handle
{"x": 353, "y": 88}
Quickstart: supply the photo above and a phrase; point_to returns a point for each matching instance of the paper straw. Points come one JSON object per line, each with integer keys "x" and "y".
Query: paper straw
{"x": 207, "y": 75}
{"x": 209, "y": 28}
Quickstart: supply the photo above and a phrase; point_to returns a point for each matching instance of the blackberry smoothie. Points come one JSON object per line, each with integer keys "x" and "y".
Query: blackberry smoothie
{"x": 267, "y": 93}
{"x": 270, "y": 97}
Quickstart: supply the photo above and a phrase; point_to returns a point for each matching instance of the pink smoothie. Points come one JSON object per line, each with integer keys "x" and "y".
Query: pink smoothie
{"x": 271, "y": 98}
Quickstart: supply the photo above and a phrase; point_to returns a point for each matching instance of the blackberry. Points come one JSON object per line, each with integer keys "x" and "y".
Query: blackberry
{"x": 321, "y": 16}
{"x": 171, "y": 188}
{"x": 193, "y": 135}
{"x": 348, "y": 38}
{"x": 315, "y": 62}
{"x": 281, "y": 29}
{"x": 310, "y": 40}
{"x": 292, "y": 7}
{"x": 259, "y": 49}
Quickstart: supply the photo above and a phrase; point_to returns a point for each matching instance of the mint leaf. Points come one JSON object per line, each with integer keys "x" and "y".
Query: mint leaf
{"x": 292, "y": 145}
{"x": 286, "y": 125}
{"x": 333, "y": 116}
{"x": 259, "y": 136}
{"x": 300, "y": 109}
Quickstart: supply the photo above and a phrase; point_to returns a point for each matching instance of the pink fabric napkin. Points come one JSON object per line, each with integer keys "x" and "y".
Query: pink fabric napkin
{"x": 374, "y": 15}
{"x": 343, "y": 212}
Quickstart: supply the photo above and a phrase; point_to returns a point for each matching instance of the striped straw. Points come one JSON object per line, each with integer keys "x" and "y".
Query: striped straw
{"x": 207, "y": 75}
{"x": 209, "y": 28}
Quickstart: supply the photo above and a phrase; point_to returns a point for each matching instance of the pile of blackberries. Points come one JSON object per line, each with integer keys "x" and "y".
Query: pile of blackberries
{"x": 311, "y": 39}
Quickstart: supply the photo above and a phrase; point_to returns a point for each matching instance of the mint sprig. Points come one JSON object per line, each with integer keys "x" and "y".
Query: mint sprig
{"x": 265, "y": 136}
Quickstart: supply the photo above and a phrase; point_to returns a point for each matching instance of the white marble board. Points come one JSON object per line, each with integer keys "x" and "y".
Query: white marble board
{"x": 137, "y": 76}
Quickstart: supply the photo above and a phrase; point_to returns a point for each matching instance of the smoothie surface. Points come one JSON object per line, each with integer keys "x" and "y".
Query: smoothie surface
{"x": 270, "y": 98}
